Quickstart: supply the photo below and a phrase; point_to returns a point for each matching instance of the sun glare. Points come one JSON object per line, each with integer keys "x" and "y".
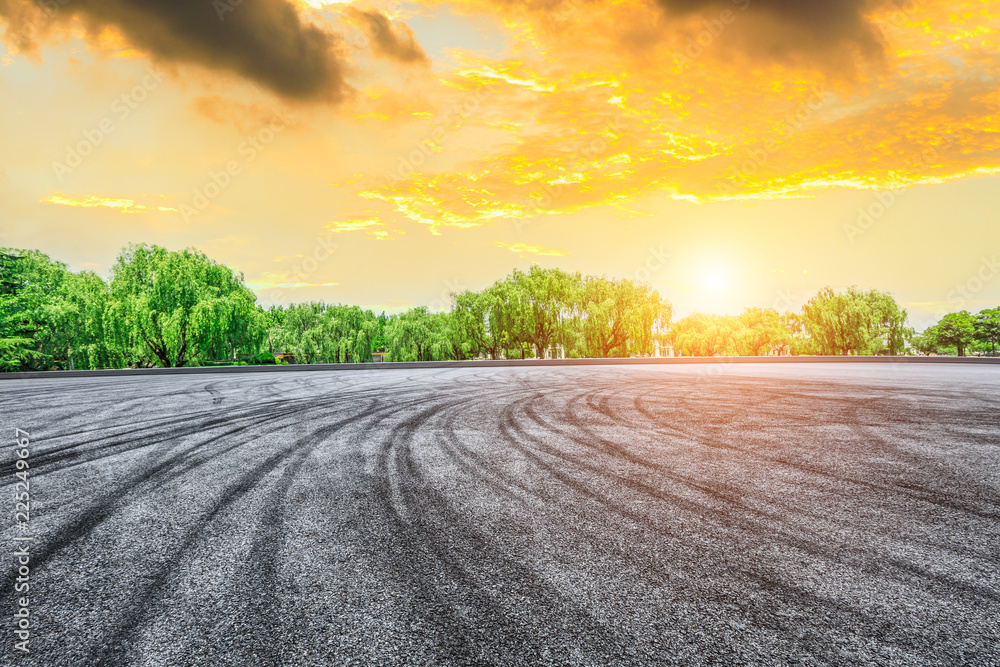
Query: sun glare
{"x": 714, "y": 279}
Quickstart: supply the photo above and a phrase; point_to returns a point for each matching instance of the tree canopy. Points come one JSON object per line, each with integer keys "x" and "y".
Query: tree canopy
{"x": 955, "y": 330}
{"x": 179, "y": 306}
{"x": 51, "y": 317}
{"x": 856, "y": 322}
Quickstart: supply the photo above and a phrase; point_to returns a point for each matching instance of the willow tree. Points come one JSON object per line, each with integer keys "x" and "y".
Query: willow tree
{"x": 540, "y": 301}
{"x": 760, "y": 332}
{"x": 893, "y": 334}
{"x": 90, "y": 343}
{"x": 856, "y": 322}
{"x": 418, "y": 335}
{"x": 481, "y": 319}
{"x": 621, "y": 317}
{"x": 353, "y": 332}
{"x": 704, "y": 335}
{"x": 304, "y": 331}
{"x": 50, "y": 316}
{"x": 30, "y": 312}
{"x": 180, "y": 306}
{"x": 316, "y": 332}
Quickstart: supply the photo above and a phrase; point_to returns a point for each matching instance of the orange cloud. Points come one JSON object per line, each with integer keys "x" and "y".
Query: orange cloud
{"x": 587, "y": 123}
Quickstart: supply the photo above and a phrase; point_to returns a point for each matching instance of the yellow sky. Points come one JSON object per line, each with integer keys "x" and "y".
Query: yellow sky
{"x": 727, "y": 155}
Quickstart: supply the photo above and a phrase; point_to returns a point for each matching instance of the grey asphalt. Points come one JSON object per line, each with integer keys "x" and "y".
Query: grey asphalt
{"x": 834, "y": 514}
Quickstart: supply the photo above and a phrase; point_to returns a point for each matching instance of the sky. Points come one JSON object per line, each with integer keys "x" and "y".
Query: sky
{"x": 732, "y": 153}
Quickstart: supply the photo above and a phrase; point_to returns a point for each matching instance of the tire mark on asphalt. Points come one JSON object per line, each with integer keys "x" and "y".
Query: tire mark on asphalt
{"x": 452, "y": 550}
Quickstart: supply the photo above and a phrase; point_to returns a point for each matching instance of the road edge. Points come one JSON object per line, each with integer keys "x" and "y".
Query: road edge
{"x": 405, "y": 365}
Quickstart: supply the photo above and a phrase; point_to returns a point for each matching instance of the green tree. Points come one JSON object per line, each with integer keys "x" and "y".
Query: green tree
{"x": 50, "y": 316}
{"x": 303, "y": 332}
{"x": 28, "y": 281}
{"x": 91, "y": 341}
{"x": 956, "y": 330}
{"x": 759, "y": 332}
{"x": 483, "y": 319}
{"x": 417, "y": 335}
{"x": 540, "y": 300}
{"x": 181, "y": 305}
{"x": 703, "y": 335}
{"x": 378, "y": 341}
{"x": 458, "y": 346}
{"x": 620, "y": 317}
{"x": 987, "y": 326}
{"x": 800, "y": 343}
{"x": 891, "y": 324}
{"x": 316, "y": 332}
{"x": 273, "y": 319}
{"x": 855, "y": 322}
{"x": 927, "y": 341}
{"x": 354, "y": 332}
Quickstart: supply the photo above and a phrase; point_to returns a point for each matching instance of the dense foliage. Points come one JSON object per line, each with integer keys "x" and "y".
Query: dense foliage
{"x": 50, "y": 316}
{"x": 756, "y": 332}
{"x": 856, "y": 322}
{"x": 180, "y": 307}
{"x": 530, "y": 313}
{"x": 163, "y": 308}
{"x": 961, "y": 333}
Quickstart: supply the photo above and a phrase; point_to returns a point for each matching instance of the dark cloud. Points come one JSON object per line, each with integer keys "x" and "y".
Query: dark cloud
{"x": 266, "y": 41}
{"x": 395, "y": 43}
{"x": 795, "y": 24}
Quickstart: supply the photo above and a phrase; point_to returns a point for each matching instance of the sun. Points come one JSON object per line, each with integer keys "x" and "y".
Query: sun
{"x": 714, "y": 279}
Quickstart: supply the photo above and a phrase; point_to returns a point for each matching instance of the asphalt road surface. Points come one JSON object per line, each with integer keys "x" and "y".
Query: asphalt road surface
{"x": 753, "y": 514}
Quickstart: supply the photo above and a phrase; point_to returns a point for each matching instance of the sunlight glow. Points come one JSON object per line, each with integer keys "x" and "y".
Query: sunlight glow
{"x": 714, "y": 279}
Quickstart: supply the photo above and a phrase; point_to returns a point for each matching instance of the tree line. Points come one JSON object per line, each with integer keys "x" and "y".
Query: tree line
{"x": 831, "y": 323}
{"x": 180, "y": 308}
{"x": 962, "y": 333}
